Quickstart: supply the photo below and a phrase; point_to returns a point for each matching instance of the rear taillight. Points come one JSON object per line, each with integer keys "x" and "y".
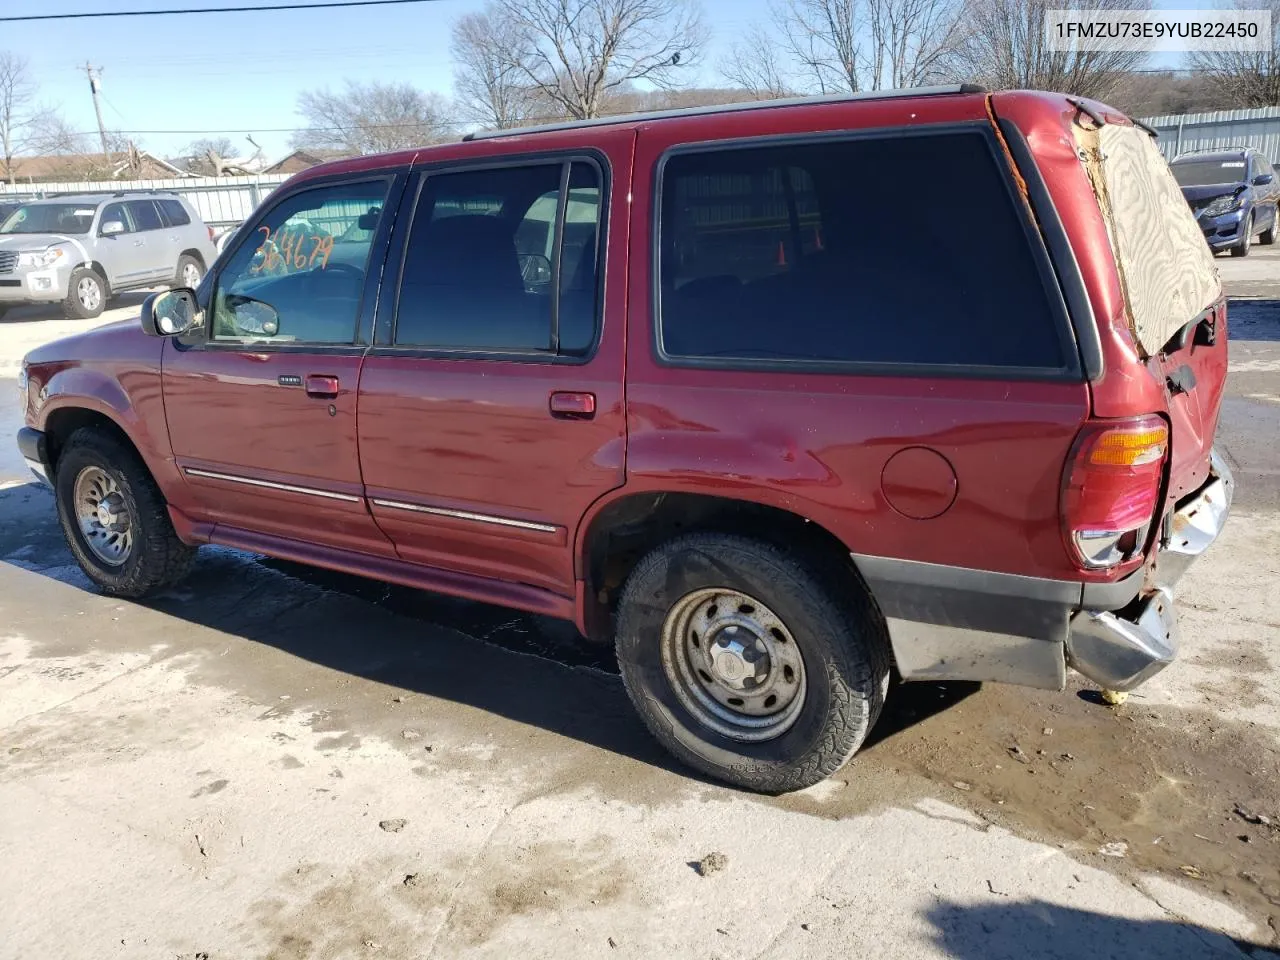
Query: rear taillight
{"x": 210, "y": 229}
{"x": 1111, "y": 489}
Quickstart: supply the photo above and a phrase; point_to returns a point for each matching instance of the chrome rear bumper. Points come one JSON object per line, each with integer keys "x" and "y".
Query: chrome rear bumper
{"x": 1121, "y": 649}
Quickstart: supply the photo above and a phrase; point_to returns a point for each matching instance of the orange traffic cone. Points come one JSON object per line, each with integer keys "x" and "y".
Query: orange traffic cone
{"x": 782, "y": 254}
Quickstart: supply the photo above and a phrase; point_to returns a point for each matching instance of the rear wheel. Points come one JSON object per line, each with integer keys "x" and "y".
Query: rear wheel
{"x": 189, "y": 272}
{"x": 1241, "y": 249}
{"x": 86, "y": 295}
{"x": 749, "y": 664}
{"x": 114, "y": 517}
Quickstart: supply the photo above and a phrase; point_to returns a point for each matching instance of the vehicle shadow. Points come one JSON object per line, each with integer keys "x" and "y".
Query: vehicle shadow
{"x": 1253, "y": 320}
{"x": 39, "y": 313}
{"x": 530, "y": 669}
{"x": 1048, "y": 931}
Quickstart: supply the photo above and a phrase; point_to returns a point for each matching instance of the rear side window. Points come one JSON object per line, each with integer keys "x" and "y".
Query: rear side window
{"x": 504, "y": 260}
{"x": 174, "y": 213}
{"x": 838, "y": 252}
{"x": 145, "y": 216}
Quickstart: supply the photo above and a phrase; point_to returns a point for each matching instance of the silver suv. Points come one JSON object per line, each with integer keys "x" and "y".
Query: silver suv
{"x": 80, "y": 251}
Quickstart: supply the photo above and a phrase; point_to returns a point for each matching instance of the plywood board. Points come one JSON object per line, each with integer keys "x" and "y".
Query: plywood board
{"x": 1166, "y": 268}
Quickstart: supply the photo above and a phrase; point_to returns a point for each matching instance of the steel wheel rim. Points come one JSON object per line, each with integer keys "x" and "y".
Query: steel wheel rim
{"x": 89, "y": 293}
{"x": 103, "y": 516}
{"x": 190, "y": 275}
{"x": 733, "y": 664}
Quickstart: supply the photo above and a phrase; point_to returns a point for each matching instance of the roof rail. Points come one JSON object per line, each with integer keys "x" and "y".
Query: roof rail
{"x": 125, "y": 193}
{"x": 953, "y": 88}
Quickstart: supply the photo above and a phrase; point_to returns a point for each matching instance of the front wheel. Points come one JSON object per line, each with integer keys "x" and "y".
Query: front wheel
{"x": 114, "y": 517}
{"x": 1268, "y": 236}
{"x": 86, "y": 295}
{"x": 749, "y": 664}
{"x": 1241, "y": 249}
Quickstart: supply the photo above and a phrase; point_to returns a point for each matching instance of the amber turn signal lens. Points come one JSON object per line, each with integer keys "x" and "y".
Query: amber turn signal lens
{"x": 1124, "y": 449}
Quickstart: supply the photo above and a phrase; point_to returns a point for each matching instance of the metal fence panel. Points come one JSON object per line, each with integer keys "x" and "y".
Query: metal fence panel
{"x": 221, "y": 201}
{"x": 1219, "y": 129}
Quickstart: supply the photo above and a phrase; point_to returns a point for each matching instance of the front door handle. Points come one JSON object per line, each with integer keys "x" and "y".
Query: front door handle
{"x": 571, "y": 405}
{"x": 322, "y": 385}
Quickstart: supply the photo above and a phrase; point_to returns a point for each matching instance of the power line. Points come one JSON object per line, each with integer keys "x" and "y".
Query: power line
{"x": 329, "y": 4}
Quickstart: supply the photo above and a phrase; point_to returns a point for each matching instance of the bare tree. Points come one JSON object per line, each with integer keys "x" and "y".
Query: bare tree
{"x": 753, "y": 64}
{"x": 847, "y": 46}
{"x": 208, "y": 156}
{"x": 1005, "y": 45}
{"x": 372, "y": 118}
{"x": 16, "y": 95}
{"x": 911, "y": 40}
{"x": 1246, "y": 78}
{"x": 574, "y": 54}
{"x": 49, "y": 134}
{"x": 220, "y": 146}
{"x": 489, "y": 84}
{"x": 826, "y": 41}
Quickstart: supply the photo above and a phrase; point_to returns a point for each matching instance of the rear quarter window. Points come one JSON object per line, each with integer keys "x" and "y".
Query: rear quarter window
{"x": 174, "y": 213}
{"x": 843, "y": 252}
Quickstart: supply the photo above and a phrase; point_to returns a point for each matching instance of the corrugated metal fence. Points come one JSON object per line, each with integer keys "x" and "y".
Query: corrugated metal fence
{"x": 1192, "y": 132}
{"x": 221, "y": 201}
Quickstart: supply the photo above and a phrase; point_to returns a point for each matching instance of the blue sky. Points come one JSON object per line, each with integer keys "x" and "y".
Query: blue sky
{"x": 238, "y": 73}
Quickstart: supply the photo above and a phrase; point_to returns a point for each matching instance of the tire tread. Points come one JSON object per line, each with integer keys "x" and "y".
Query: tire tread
{"x": 163, "y": 559}
{"x": 838, "y": 602}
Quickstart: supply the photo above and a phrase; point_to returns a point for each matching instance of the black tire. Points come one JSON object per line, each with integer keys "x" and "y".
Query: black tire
{"x": 1268, "y": 236}
{"x": 74, "y": 307}
{"x": 185, "y": 261}
{"x": 1241, "y": 249}
{"x": 157, "y": 558}
{"x": 839, "y": 633}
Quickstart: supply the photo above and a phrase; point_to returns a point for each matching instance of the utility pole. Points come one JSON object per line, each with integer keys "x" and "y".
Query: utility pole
{"x": 95, "y": 87}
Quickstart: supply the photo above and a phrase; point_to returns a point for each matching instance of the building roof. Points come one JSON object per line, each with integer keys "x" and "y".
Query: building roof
{"x": 81, "y": 166}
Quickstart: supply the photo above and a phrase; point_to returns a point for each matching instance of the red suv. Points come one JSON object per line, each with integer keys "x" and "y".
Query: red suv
{"x": 712, "y": 383}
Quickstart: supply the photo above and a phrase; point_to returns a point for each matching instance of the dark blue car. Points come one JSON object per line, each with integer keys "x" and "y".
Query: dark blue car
{"x": 1234, "y": 195}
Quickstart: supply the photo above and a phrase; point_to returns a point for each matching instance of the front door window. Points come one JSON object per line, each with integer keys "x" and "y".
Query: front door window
{"x": 300, "y": 276}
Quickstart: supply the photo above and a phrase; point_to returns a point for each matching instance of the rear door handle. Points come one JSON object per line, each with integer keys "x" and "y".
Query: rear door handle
{"x": 321, "y": 385}
{"x": 570, "y": 405}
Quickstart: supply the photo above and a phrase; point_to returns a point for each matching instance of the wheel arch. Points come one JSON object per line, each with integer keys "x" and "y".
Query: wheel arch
{"x": 97, "y": 267}
{"x": 63, "y": 421}
{"x": 622, "y": 530}
{"x": 196, "y": 255}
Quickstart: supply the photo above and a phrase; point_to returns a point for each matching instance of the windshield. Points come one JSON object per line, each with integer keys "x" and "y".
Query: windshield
{"x": 1199, "y": 173}
{"x": 49, "y": 218}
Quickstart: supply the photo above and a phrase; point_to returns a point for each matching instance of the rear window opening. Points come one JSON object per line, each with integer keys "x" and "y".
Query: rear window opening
{"x": 854, "y": 252}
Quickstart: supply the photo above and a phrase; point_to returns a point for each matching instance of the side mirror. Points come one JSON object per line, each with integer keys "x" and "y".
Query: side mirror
{"x": 171, "y": 313}
{"x": 252, "y": 317}
{"x": 111, "y": 227}
{"x": 535, "y": 268}
{"x": 1262, "y": 179}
